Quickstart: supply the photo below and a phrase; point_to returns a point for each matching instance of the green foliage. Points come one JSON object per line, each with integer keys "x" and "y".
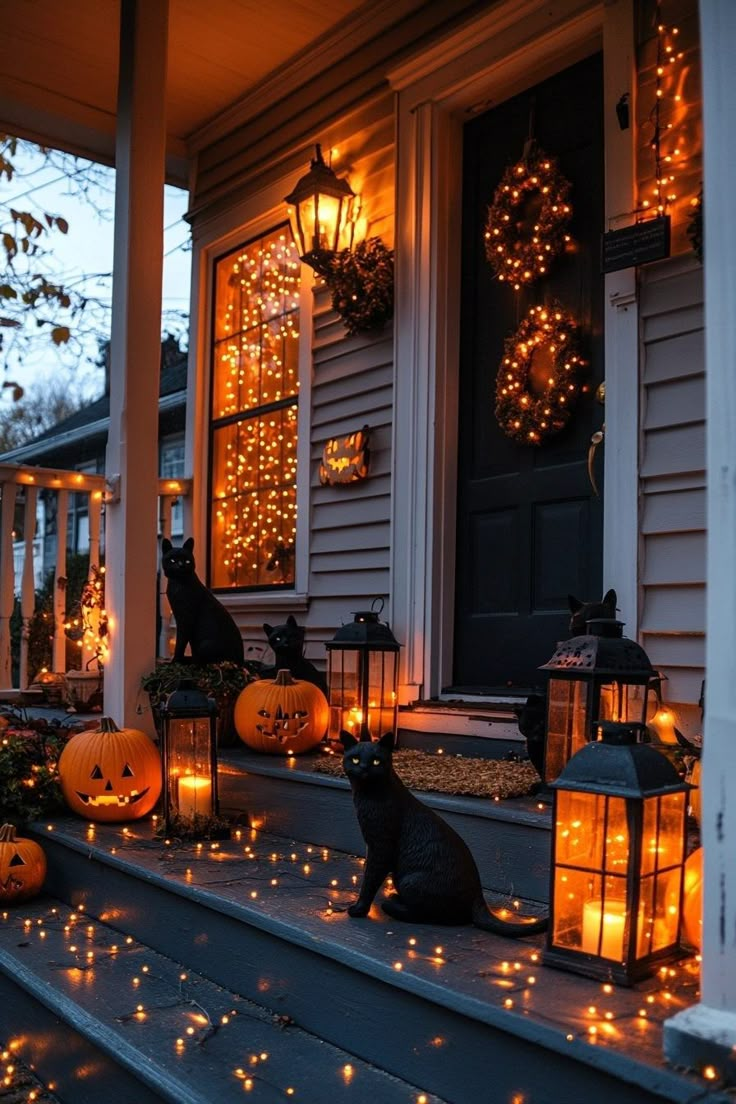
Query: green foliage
{"x": 29, "y": 776}
{"x": 362, "y": 285}
{"x": 221, "y": 681}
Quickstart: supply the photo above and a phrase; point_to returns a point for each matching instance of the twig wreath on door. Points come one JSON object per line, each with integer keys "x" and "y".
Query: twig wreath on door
{"x": 539, "y": 378}
{"x": 527, "y": 222}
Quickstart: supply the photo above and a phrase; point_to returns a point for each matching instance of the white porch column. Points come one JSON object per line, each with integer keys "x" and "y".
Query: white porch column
{"x": 706, "y": 1033}
{"x": 132, "y": 449}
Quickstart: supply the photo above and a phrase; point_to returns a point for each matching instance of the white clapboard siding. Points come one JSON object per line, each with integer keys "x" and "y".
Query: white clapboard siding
{"x": 672, "y": 573}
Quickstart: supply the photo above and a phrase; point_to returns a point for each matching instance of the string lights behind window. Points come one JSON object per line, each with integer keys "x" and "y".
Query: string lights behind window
{"x": 254, "y": 414}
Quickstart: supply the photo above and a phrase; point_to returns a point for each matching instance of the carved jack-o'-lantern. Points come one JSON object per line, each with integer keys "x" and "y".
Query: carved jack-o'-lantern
{"x": 22, "y": 867}
{"x": 110, "y": 774}
{"x": 345, "y": 459}
{"x": 281, "y": 715}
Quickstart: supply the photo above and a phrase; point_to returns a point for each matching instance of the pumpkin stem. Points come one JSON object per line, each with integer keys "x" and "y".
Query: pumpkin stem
{"x": 283, "y": 678}
{"x": 107, "y": 724}
{"x": 7, "y": 833}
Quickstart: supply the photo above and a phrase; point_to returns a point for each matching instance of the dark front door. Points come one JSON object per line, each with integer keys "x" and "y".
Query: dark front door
{"x": 529, "y": 527}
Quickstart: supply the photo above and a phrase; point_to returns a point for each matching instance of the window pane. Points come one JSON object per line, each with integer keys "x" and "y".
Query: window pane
{"x": 254, "y": 412}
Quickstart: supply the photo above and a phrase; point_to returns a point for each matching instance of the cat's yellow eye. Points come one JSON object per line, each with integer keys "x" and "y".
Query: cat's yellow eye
{"x": 376, "y": 762}
{"x": 355, "y": 759}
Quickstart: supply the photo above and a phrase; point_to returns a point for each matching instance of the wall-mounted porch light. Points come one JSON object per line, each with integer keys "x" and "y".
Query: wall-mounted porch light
{"x": 319, "y": 206}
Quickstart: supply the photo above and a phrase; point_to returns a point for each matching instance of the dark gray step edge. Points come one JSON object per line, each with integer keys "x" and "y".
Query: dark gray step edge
{"x": 489, "y": 1026}
{"x": 98, "y": 1036}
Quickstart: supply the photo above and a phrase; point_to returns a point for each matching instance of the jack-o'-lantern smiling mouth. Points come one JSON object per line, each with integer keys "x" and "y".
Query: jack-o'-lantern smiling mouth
{"x": 11, "y": 884}
{"x": 285, "y": 726}
{"x": 98, "y": 800}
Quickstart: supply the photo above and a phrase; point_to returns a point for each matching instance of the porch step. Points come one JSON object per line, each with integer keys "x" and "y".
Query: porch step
{"x": 491, "y": 724}
{"x": 510, "y": 840}
{"x": 131, "y": 1026}
{"x": 466, "y": 1015}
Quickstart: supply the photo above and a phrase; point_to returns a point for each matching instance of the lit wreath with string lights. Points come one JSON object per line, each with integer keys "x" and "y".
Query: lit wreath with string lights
{"x": 520, "y": 254}
{"x": 529, "y": 415}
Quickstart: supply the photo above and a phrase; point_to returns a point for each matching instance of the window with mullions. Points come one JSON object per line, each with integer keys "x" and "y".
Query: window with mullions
{"x": 255, "y": 386}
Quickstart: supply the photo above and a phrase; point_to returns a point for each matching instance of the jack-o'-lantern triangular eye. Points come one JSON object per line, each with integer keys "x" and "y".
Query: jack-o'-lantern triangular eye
{"x": 127, "y": 771}
{"x": 16, "y": 860}
{"x": 96, "y": 773}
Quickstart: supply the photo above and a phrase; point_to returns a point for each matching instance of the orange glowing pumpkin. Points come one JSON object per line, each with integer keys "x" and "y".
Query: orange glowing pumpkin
{"x": 110, "y": 774}
{"x": 692, "y": 900}
{"x": 282, "y": 715}
{"x": 22, "y": 867}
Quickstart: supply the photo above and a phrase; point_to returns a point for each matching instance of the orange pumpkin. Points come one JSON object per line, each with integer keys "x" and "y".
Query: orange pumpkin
{"x": 110, "y": 774}
{"x": 692, "y": 899}
{"x": 282, "y": 715}
{"x": 695, "y": 799}
{"x": 22, "y": 867}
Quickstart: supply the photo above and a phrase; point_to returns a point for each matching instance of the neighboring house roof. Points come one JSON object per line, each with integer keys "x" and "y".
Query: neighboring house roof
{"x": 92, "y": 422}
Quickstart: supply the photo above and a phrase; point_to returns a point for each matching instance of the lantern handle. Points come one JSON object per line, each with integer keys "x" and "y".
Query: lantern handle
{"x": 380, "y": 608}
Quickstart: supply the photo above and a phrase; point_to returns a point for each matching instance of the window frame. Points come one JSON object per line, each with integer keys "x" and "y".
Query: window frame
{"x": 260, "y": 215}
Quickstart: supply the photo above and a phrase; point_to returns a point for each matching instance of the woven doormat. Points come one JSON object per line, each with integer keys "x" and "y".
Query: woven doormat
{"x": 451, "y": 774}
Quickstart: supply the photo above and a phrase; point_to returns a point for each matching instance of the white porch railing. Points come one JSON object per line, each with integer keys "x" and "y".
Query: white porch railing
{"x": 19, "y": 486}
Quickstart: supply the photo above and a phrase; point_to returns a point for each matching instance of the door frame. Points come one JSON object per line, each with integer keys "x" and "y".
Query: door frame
{"x": 515, "y": 45}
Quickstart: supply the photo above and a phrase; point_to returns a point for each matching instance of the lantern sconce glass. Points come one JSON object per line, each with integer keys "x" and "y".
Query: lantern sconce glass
{"x": 618, "y": 856}
{"x": 189, "y": 759}
{"x": 319, "y": 207}
{"x": 362, "y": 677}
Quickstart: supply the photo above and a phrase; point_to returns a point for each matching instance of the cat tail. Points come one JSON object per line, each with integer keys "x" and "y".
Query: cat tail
{"x": 504, "y": 921}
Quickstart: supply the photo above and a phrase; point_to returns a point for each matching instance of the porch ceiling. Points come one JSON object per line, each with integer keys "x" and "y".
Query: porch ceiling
{"x": 59, "y": 65}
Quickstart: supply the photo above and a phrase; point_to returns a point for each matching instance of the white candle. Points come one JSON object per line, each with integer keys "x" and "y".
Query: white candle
{"x": 613, "y": 921}
{"x": 195, "y": 795}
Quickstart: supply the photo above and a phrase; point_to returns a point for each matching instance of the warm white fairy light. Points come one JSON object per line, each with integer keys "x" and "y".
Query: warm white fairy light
{"x": 255, "y": 413}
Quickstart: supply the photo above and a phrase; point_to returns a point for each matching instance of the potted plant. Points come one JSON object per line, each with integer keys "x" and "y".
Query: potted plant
{"x": 221, "y": 681}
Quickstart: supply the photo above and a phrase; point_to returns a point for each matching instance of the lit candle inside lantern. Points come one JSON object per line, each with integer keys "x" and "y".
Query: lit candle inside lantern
{"x": 195, "y": 795}
{"x": 613, "y": 921}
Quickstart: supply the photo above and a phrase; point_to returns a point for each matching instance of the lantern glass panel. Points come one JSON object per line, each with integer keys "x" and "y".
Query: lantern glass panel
{"x": 381, "y": 712}
{"x": 344, "y": 691}
{"x": 620, "y": 701}
{"x": 566, "y": 723}
{"x": 592, "y": 843}
{"x": 190, "y": 784}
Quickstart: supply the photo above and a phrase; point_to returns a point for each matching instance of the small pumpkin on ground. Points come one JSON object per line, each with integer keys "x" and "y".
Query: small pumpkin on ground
{"x": 22, "y": 867}
{"x": 282, "y": 715}
{"x": 110, "y": 774}
{"x": 692, "y": 899}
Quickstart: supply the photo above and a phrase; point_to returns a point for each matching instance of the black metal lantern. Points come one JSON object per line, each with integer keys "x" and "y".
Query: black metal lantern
{"x": 362, "y": 677}
{"x": 189, "y": 757}
{"x": 318, "y": 209}
{"x": 600, "y": 676}
{"x": 618, "y": 857}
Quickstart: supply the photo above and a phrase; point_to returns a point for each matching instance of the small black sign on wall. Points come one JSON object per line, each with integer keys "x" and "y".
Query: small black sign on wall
{"x": 636, "y": 245}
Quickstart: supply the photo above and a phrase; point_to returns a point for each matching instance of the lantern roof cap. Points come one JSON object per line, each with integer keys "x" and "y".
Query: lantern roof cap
{"x": 365, "y": 630}
{"x": 602, "y": 651}
{"x": 320, "y": 178}
{"x": 188, "y": 700}
{"x": 617, "y": 766}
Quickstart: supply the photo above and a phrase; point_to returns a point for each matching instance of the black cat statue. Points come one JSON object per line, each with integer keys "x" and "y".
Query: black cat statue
{"x": 434, "y": 874}
{"x": 201, "y": 621}
{"x": 582, "y": 612}
{"x": 287, "y": 644}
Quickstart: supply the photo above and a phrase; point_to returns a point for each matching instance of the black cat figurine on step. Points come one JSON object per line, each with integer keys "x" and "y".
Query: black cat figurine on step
{"x": 201, "y": 621}
{"x": 434, "y": 874}
{"x": 582, "y": 612}
{"x": 287, "y": 644}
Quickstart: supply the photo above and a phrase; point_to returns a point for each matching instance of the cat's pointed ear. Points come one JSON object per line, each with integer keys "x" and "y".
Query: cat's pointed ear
{"x": 291, "y": 621}
{"x": 387, "y": 741}
{"x": 610, "y": 599}
{"x": 347, "y": 739}
{"x": 268, "y": 629}
{"x": 166, "y": 545}
{"x": 574, "y": 603}
{"x": 188, "y": 545}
